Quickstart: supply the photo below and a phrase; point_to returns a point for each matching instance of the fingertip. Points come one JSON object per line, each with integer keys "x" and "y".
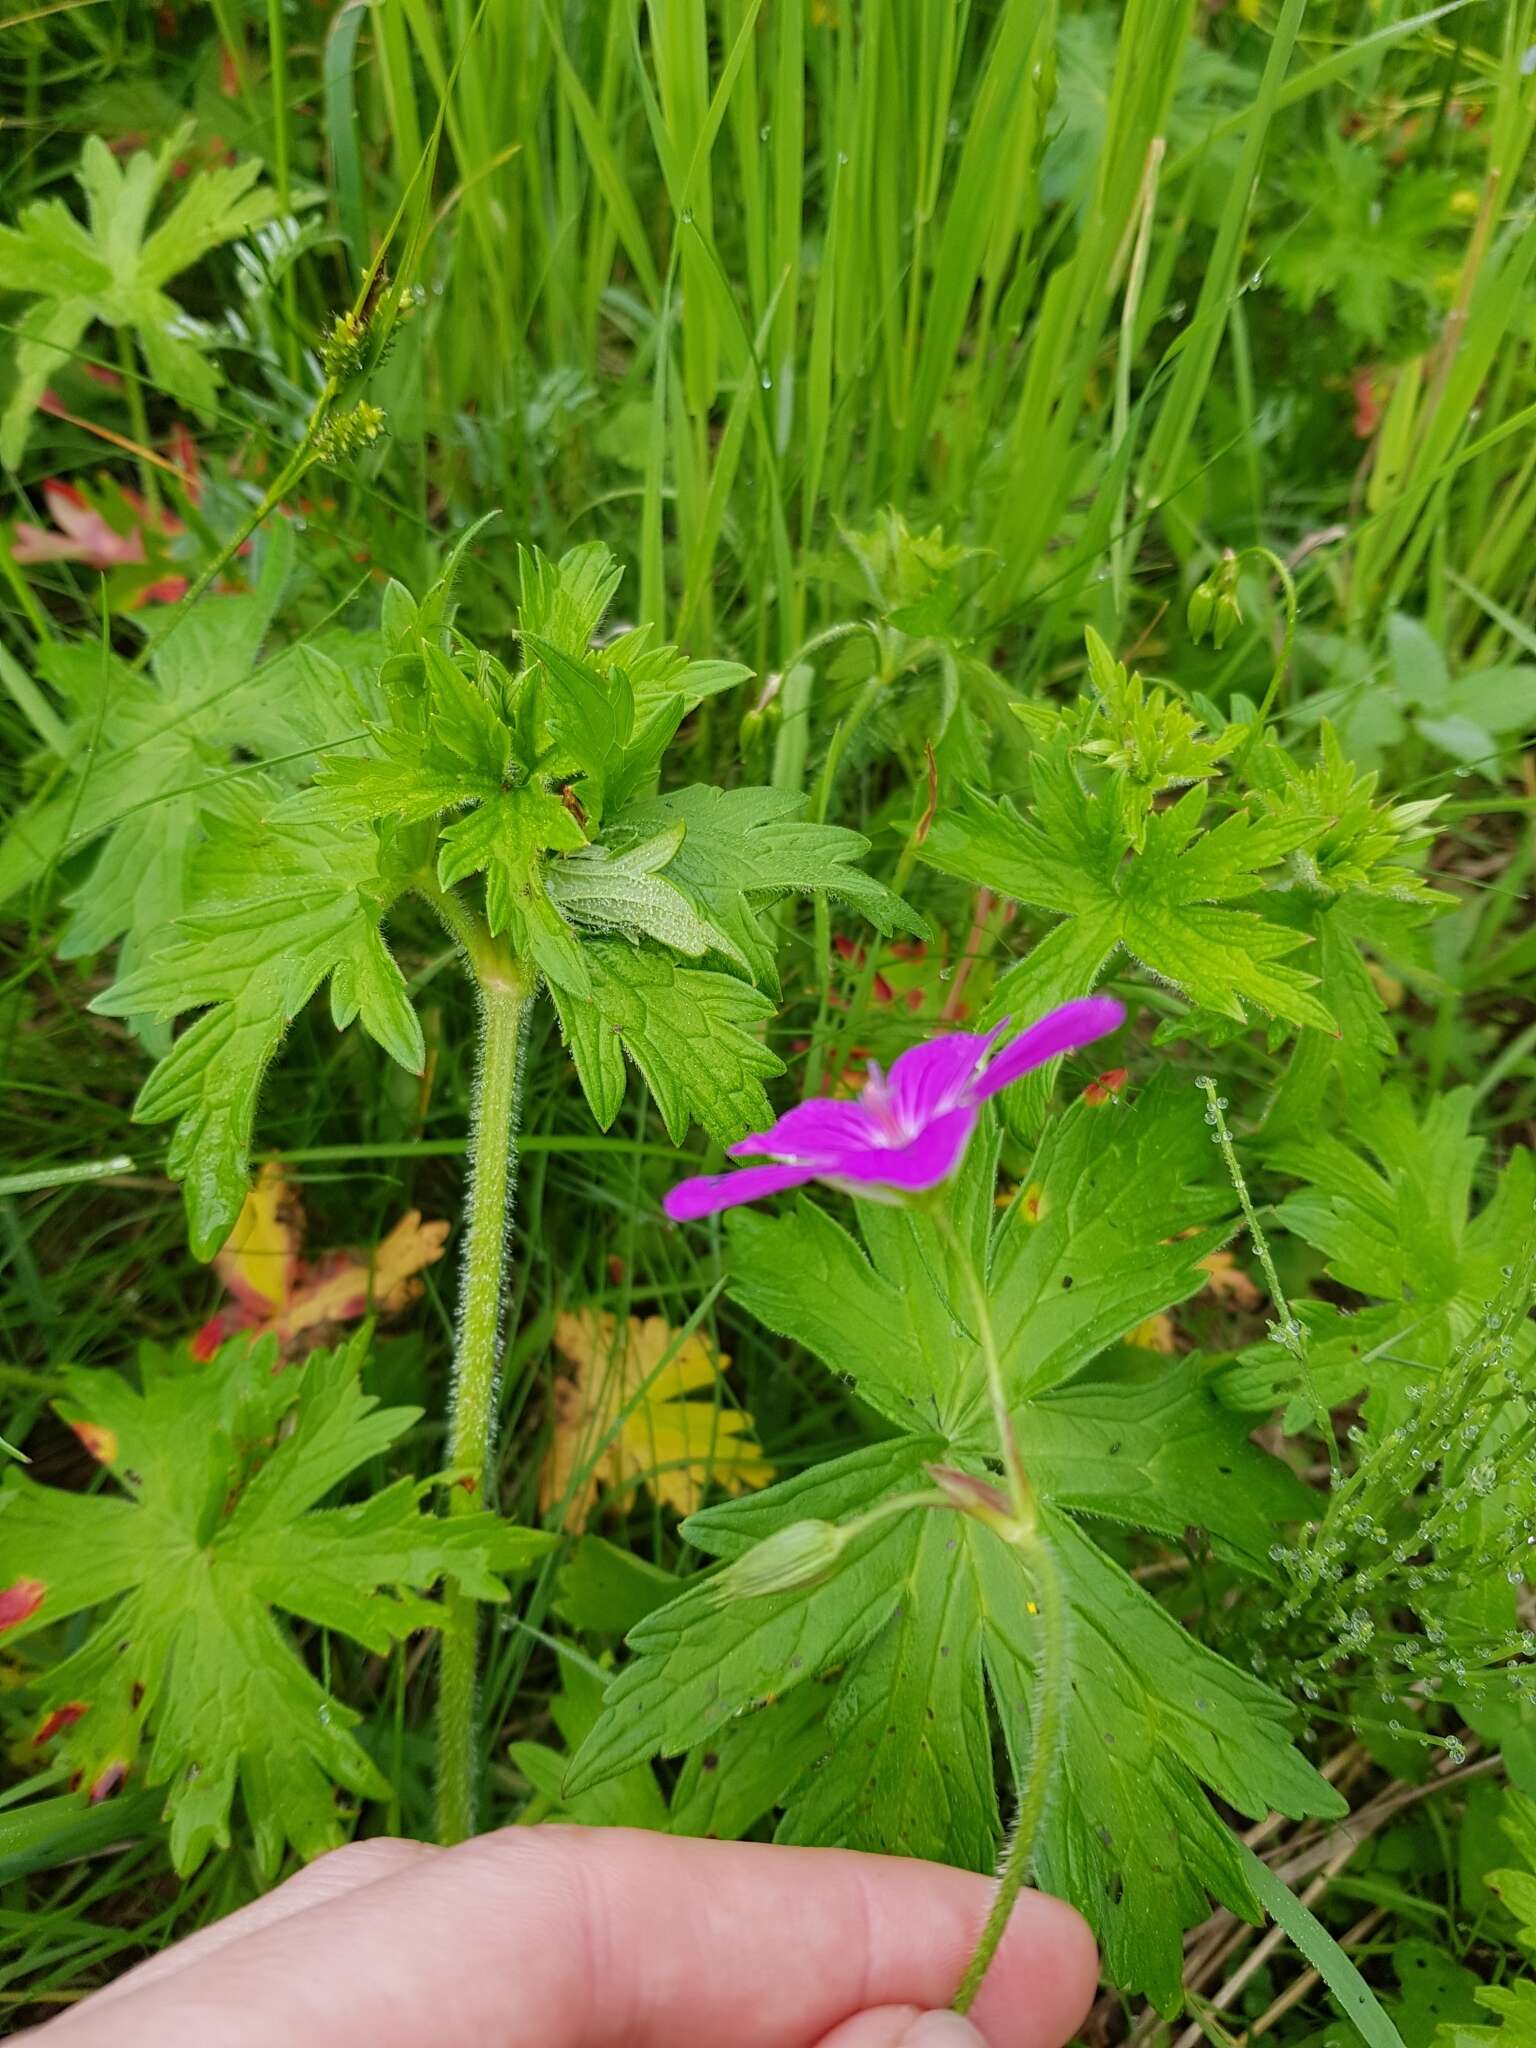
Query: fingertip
{"x": 1043, "y": 1979}
{"x": 904, "y": 2026}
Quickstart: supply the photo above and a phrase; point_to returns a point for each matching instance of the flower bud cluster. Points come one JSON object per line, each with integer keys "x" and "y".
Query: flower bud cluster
{"x": 1213, "y": 605}
{"x": 344, "y": 433}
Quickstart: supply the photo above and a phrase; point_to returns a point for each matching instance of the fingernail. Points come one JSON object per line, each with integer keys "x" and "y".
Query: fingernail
{"x": 941, "y": 2030}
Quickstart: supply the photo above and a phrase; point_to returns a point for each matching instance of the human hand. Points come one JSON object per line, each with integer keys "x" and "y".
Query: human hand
{"x": 567, "y": 1937}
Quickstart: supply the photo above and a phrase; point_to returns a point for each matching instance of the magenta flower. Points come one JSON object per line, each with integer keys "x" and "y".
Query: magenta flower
{"x": 908, "y": 1129}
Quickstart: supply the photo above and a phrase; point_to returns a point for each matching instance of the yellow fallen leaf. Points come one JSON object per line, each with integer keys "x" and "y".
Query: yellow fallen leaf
{"x": 274, "y": 1290}
{"x": 1229, "y": 1283}
{"x": 259, "y": 1259}
{"x": 1388, "y": 987}
{"x": 1155, "y": 1334}
{"x": 622, "y": 1415}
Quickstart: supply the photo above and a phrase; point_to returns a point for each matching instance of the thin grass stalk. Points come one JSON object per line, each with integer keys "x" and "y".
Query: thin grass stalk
{"x": 277, "y": 56}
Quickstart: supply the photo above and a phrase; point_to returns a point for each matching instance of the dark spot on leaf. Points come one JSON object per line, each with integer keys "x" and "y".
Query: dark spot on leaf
{"x": 1066, "y": 1279}
{"x": 60, "y": 1719}
{"x": 108, "y": 1782}
{"x": 709, "y": 1761}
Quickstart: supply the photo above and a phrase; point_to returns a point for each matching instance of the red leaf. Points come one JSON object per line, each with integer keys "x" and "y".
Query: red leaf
{"x": 1106, "y": 1087}
{"x": 20, "y": 1601}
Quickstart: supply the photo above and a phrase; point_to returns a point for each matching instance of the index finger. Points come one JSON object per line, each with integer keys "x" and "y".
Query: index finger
{"x": 560, "y": 1937}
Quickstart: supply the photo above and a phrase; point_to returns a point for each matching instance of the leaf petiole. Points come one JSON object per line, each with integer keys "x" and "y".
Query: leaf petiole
{"x": 506, "y": 989}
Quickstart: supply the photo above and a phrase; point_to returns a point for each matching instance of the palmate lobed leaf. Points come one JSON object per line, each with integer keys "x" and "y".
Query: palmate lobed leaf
{"x": 1391, "y": 1209}
{"x": 692, "y": 1034}
{"x": 1301, "y": 854}
{"x": 507, "y": 837}
{"x": 187, "y": 1674}
{"x": 1360, "y": 893}
{"x": 112, "y": 269}
{"x": 743, "y": 849}
{"x": 613, "y": 890}
{"x": 927, "y": 1618}
{"x": 144, "y": 751}
{"x": 1167, "y": 905}
{"x": 1358, "y": 245}
{"x": 285, "y": 908}
{"x": 642, "y": 916}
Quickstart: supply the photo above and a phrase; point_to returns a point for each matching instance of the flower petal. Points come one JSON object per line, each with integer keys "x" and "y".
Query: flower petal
{"x": 922, "y": 1162}
{"x": 819, "y": 1129}
{"x": 709, "y": 1193}
{"x": 1061, "y": 1030}
{"x": 927, "y": 1080}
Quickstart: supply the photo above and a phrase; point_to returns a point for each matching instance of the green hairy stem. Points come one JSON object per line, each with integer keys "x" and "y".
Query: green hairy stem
{"x": 1047, "y": 1725}
{"x": 1047, "y": 1720}
{"x": 505, "y": 994}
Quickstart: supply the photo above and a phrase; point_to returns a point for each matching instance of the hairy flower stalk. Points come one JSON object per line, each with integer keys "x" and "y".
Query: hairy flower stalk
{"x": 505, "y": 989}
{"x": 1028, "y": 1537}
{"x": 904, "y": 1136}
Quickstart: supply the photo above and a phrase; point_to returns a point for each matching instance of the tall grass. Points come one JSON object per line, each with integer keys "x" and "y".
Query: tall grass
{"x": 808, "y": 262}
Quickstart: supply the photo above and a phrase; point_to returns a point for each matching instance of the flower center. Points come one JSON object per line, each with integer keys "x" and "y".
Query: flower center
{"x": 876, "y": 1101}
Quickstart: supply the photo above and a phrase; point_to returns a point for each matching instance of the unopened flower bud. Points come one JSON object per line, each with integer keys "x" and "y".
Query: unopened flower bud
{"x": 1202, "y": 602}
{"x": 1213, "y": 607}
{"x": 796, "y": 1556}
{"x": 1227, "y": 614}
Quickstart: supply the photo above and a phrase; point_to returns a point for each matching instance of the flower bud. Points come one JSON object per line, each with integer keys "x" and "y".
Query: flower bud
{"x": 1228, "y": 613}
{"x": 1202, "y": 602}
{"x": 791, "y": 1557}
